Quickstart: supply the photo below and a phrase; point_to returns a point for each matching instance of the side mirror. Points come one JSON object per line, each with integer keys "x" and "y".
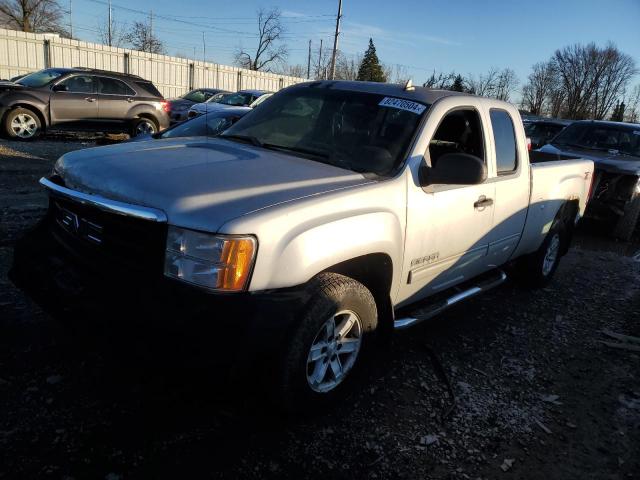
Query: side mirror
{"x": 60, "y": 88}
{"x": 454, "y": 169}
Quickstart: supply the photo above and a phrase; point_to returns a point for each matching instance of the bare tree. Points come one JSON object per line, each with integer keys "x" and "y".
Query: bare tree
{"x": 269, "y": 51}
{"x": 440, "y": 80}
{"x": 347, "y": 66}
{"x": 299, "y": 71}
{"x": 140, "y": 37}
{"x": 35, "y": 16}
{"x": 505, "y": 84}
{"x": 116, "y": 37}
{"x": 592, "y": 78}
{"x": 484, "y": 85}
{"x": 632, "y": 113}
{"x": 542, "y": 80}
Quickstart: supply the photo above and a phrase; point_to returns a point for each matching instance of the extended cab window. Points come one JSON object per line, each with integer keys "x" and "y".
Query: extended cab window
{"x": 459, "y": 132}
{"x": 111, "y": 86}
{"x": 79, "y": 84}
{"x": 505, "y": 139}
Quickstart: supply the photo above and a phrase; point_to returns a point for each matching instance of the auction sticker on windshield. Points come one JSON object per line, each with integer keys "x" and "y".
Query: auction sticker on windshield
{"x": 401, "y": 104}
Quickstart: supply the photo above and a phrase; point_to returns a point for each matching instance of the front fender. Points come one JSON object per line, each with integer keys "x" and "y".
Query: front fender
{"x": 11, "y": 100}
{"x": 303, "y": 253}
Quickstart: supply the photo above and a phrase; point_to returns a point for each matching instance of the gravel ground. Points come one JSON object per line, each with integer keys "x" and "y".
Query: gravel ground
{"x": 538, "y": 396}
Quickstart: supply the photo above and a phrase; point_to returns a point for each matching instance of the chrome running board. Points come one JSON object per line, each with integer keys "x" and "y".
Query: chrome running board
{"x": 430, "y": 311}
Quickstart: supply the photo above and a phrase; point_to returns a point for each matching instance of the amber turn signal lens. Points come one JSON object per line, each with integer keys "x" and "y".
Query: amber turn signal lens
{"x": 237, "y": 256}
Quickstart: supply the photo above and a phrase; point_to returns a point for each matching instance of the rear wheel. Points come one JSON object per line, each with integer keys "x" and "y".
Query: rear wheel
{"x": 144, "y": 126}
{"x": 22, "y": 124}
{"x": 537, "y": 269}
{"x": 330, "y": 344}
{"x": 627, "y": 223}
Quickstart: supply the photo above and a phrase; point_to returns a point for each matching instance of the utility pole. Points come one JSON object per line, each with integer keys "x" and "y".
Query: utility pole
{"x": 332, "y": 73}
{"x": 204, "y": 49}
{"x": 71, "y": 18}
{"x": 110, "y": 31}
{"x": 309, "y": 62}
{"x": 320, "y": 60}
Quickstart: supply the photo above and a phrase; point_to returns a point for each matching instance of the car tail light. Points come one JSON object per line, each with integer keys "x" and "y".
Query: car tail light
{"x": 166, "y": 106}
{"x": 593, "y": 178}
{"x": 528, "y": 143}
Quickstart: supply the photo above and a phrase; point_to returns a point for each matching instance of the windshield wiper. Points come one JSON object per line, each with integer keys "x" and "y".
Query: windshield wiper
{"x": 244, "y": 138}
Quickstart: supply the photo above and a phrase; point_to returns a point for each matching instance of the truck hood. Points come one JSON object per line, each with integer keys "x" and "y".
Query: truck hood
{"x": 199, "y": 183}
{"x": 609, "y": 162}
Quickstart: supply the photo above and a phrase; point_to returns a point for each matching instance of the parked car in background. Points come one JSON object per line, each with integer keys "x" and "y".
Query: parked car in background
{"x": 542, "y": 131}
{"x": 308, "y": 231}
{"x": 81, "y": 99}
{"x": 179, "y": 107}
{"x": 210, "y": 125}
{"x": 615, "y": 149}
{"x": 243, "y": 98}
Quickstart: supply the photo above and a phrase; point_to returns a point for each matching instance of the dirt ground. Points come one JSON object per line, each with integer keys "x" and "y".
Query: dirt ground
{"x": 537, "y": 393}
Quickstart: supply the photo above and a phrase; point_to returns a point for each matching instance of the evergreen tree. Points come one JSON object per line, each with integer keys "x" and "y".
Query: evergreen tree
{"x": 618, "y": 112}
{"x": 370, "y": 69}
{"x": 458, "y": 84}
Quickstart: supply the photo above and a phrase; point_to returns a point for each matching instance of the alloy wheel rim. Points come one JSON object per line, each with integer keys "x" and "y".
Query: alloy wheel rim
{"x": 24, "y": 125}
{"x": 551, "y": 255}
{"x": 145, "y": 127}
{"x": 334, "y": 351}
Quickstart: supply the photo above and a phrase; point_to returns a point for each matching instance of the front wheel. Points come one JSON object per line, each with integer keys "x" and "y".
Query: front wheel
{"x": 329, "y": 345}
{"x": 627, "y": 223}
{"x": 22, "y": 124}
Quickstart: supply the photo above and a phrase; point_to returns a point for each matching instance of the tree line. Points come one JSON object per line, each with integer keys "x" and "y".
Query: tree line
{"x": 577, "y": 82}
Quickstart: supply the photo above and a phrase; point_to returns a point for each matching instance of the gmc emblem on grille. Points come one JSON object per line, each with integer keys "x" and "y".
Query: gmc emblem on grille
{"x": 78, "y": 226}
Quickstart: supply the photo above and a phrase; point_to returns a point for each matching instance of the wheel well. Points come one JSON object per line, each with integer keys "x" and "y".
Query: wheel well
{"x": 567, "y": 215}
{"x": 148, "y": 116}
{"x": 39, "y": 114}
{"x": 374, "y": 271}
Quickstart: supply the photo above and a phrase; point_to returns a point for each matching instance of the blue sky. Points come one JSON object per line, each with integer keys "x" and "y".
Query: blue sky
{"x": 421, "y": 35}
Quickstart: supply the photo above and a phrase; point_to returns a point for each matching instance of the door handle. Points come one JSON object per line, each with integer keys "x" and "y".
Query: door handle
{"x": 483, "y": 202}
{"x": 90, "y": 99}
{"x": 130, "y": 100}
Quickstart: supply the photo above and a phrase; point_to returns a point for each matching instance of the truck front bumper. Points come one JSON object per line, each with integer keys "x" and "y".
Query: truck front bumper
{"x": 235, "y": 328}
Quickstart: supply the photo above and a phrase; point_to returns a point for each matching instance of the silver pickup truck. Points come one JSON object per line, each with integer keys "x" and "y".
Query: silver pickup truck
{"x": 317, "y": 224}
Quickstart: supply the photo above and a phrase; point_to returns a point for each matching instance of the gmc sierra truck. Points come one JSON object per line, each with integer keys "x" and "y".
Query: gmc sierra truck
{"x": 317, "y": 224}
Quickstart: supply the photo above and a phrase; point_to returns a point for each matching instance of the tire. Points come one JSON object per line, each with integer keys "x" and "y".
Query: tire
{"x": 627, "y": 223}
{"x": 347, "y": 304}
{"x": 537, "y": 269}
{"x": 144, "y": 126}
{"x": 22, "y": 124}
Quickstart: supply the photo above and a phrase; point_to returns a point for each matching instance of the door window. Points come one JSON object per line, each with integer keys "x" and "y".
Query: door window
{"x": 79, "y": 84}
{"x": 111, "y": 86}
{"x": 459, "y": 132}
{"x": 505, "y": 139}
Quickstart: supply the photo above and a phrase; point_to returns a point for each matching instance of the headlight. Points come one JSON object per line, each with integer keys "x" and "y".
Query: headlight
{"x": 216, "y": 262}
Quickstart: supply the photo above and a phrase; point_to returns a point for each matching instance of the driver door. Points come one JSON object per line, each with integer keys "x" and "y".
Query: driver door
{"x": 448, "y": 226}
{"x": 74, "y": 102}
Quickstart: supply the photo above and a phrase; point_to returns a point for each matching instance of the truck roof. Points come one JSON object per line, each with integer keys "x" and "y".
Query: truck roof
{"x": 418, "y": 94}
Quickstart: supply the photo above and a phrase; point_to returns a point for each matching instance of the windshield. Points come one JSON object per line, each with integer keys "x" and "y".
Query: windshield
{"x": 217, "y": 97}
{"x": 198, "y": 96}
{"x": 40, "y": 79}
{"x": 363, "y": 132}
{"x": 237, "y": 99}
{"x": 204, "y": 125}
{"x": 594, "y": 136}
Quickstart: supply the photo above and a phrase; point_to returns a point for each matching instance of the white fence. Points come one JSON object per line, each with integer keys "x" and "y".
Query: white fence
{"x": 22, "y": 53}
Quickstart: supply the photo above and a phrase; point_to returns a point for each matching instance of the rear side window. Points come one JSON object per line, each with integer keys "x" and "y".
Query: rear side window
{"x": 149, "y": 87}
{"x": 505, "y": 139}
{"x": 111, "y": 86}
